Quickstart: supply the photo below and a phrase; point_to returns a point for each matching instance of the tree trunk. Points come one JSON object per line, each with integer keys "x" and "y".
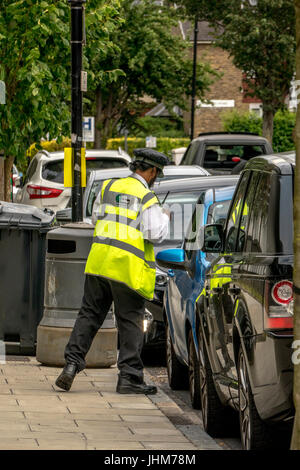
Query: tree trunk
{"x": 8, "y": 163}
{"x": 268, "y": 123}
{"x": 295, "y": 444}
{"x": 98, "y": 123}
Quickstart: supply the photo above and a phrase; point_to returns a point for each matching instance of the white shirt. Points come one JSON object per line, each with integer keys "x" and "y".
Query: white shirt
{"x": 155, "y": 222}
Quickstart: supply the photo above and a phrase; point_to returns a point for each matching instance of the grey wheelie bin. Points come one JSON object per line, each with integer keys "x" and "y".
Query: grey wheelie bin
{"x": 67, "y": 250}
{"x": 23, "y": 231}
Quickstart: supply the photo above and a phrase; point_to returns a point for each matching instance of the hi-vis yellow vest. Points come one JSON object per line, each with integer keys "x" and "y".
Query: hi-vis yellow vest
{"x": 119, "y": 251}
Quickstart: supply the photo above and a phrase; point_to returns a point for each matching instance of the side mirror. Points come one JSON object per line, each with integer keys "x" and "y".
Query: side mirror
{"x": 211, "y": 238}
{"x": 172, "y": 259}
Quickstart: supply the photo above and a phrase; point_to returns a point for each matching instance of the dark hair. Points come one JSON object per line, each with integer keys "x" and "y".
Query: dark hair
{"x": 138, "y": 165}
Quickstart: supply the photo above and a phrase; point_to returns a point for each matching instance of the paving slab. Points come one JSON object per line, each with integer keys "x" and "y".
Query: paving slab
{"x": 35, "y": 414}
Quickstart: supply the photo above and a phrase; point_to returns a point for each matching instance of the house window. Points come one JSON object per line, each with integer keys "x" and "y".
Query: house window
{"x": 256, "y": 108}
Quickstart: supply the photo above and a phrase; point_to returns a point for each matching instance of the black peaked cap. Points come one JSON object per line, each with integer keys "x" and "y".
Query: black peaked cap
{"x": 152, "y": 157}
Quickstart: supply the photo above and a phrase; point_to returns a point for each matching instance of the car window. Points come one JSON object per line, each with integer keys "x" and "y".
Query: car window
{"x": 92, "y": 197}
{"x": 247, "y": 212}
{"x": 190, "y": 155}
{"x": 217, "y": 213}
{"x": 181, "y": 206}
{"x": 54, "y": 171}
{"x": 31, "y": 170}
{"x": 271, "y": 220}
{"x": 232, "y": 227}
{"x": 253, "y": 230}
{"x": 228, "y": 156}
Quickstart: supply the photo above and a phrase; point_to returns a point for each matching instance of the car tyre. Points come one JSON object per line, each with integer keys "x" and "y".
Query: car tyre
{"x": 215, "y": 415}
{"x": 194, "y": 375}
{"x": 254, "y": 432}
{"x": 177, "y": 372}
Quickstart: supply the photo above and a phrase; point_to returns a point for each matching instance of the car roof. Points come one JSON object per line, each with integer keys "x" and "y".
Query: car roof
{"x": 192, "y": 183}
{"x": 44, "y": 154}
{"x": 231, "y": 138}
{"x": 168, "y": 170}
{"x": 282, "y": 163}
{"x": 185, "y": 170}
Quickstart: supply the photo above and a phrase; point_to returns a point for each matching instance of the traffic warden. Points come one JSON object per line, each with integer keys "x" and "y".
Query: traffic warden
{"x": 121, "y": 268}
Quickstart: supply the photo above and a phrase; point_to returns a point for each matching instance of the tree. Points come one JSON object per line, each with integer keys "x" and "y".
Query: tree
{"x": 34, "y": 52}
{"x": 296, "y": 431}
{"x": 146, "y": 57}
{"x": 35, "y": 66}
{"x": 261, "y": 41}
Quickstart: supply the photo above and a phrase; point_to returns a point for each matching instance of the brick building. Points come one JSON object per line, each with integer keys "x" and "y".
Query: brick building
{"x": 226, "y": 93}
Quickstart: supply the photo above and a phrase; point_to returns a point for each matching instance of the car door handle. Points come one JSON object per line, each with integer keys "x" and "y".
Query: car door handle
{"x": 234, "y": 290}
{"x": 171, "y": 273}
{"x": 217, "y": 290}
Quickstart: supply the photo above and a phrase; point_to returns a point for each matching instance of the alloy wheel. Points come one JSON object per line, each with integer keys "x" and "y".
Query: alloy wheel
{"x": 169, "y": 351}
{"x": 245, "y": 420}
{"x": 203, "y": 385}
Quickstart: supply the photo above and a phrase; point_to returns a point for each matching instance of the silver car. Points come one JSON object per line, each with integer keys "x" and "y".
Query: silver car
{"x": 97, "y": 177}
{"x": 44, "y": 181}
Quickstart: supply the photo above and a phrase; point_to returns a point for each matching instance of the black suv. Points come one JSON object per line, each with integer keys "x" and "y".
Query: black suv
{"x": 225, "y": 152}
{"x": 246, "y": 307}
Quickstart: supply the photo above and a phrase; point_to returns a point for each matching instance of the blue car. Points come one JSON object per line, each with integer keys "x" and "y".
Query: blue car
{"x": 187, "y": 266}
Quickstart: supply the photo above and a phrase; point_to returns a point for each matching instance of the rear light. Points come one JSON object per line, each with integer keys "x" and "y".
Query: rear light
{"x": 279, "y": 306}
{"x": 282, "y": 292}
{"x": 236, "y": 159}
{"x": 41, "y": 192}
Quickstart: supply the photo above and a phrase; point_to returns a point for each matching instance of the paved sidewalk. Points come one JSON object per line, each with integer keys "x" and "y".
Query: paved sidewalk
{"x": 35, "y": 414}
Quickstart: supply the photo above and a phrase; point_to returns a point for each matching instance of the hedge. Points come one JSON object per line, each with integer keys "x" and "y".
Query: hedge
{"x": 49, "y": 145}
{"x": 284, "y": 123}
{"x": 164, "y": 144}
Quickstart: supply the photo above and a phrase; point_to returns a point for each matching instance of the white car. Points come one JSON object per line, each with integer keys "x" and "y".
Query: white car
{"x": 44, "y": 181}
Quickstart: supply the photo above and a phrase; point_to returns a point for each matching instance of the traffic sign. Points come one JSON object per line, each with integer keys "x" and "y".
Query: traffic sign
{"x": 88, "y": 127}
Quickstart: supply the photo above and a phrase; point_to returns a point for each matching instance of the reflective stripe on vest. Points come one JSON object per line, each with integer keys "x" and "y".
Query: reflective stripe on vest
{"x": 119, "y": 251}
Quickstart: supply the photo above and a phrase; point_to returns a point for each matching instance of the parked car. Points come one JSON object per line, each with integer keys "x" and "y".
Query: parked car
{"x": 225, "y": 152}
{"x": 44, "y": 181}
{"x": 181, "y": 196}
{"x": 246, "y": 307}
{"x": 98, "y": 176}
{"x": 16, "y": 182}
{"x": 187, "y": 266}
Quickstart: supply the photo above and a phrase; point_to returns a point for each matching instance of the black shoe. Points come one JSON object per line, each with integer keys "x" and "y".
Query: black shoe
{"x": 67, "y": 376}
{"x": 127, "y": 385}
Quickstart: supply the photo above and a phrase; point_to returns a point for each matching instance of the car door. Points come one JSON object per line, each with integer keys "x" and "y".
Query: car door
{"x": 222, "y": 290}
{"x": 181, "y": 282}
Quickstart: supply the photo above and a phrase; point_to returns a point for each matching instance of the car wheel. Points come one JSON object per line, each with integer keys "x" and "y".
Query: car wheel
{"x": 214, "y": 413}
{"x": 254, "y": 432}
{"x": 194, "y": 375}
{"x": 177, "y": 372}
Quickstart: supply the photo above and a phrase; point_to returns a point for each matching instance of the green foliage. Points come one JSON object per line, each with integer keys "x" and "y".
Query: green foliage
{"x": 158, "y": 127}
{"x": 284, "y": 123}
{"x": 147, "y": 59}
{"x": 35, "y": 54}
{"x": 261, "y": 41}
{"x": 164, "y": 144}
{"x": 35, "y": 65}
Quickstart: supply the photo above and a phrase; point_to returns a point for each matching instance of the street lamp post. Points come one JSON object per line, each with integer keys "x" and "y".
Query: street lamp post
{"x": 194, "y": 79}
{"x": 77, "y": 27}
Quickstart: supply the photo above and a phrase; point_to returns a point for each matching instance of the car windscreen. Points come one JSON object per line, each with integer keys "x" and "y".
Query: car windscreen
{"x": 228, "y": 156}
{"x": 54, "y": 170}
{"x": 181, "y": 206}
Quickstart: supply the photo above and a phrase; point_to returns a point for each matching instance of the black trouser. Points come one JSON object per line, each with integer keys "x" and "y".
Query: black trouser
{"x": 129, "y": 311}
